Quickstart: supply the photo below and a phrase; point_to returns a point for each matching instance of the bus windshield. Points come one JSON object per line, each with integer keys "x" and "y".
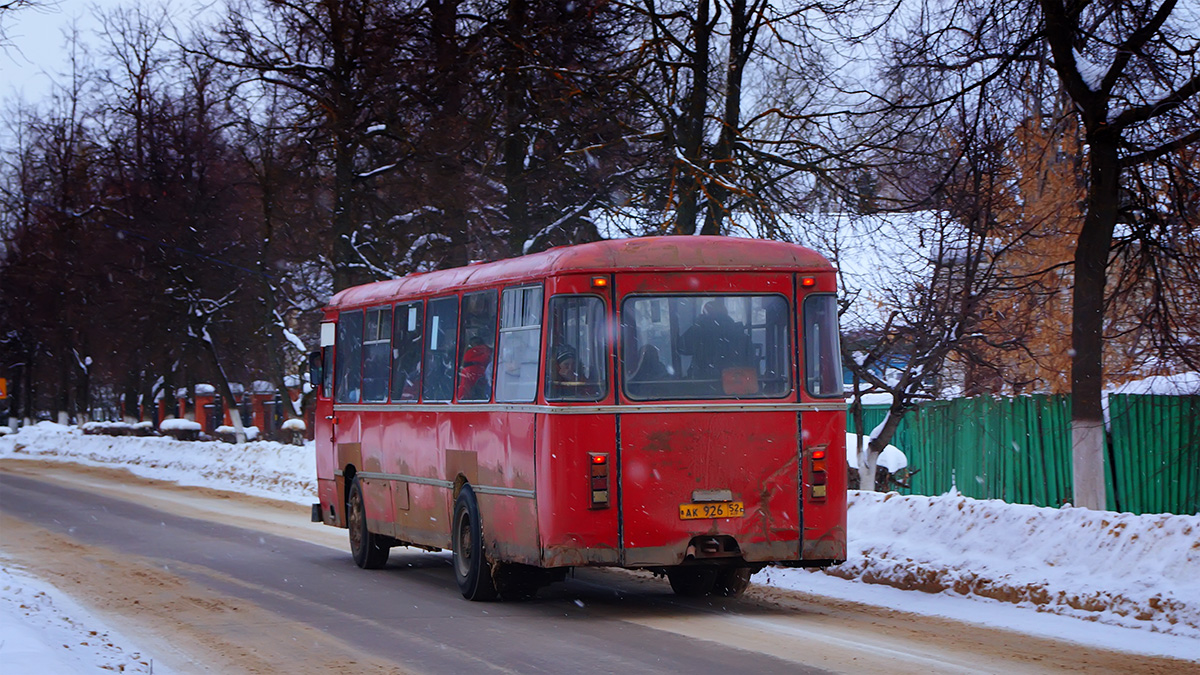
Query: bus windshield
{"x": 706, "y": 346}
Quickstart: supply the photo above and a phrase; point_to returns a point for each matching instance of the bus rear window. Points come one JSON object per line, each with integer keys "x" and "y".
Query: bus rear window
{"x": 706, "y": 347}
{"x": 822, "y": 346}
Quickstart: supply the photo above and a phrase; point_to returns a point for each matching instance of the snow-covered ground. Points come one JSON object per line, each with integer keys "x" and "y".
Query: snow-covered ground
{"x": 1115, "y": 580}
{"x": 44, "y": 631}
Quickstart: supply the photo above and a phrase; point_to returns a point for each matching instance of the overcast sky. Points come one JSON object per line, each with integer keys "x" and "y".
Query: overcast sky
{"x": 36, "y": 56}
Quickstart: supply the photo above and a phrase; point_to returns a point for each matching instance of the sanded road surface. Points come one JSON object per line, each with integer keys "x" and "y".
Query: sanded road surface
{"x": 215, "y": 582}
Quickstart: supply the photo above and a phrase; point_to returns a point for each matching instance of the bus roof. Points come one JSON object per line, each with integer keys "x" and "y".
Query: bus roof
{"x": 644, "y": 254}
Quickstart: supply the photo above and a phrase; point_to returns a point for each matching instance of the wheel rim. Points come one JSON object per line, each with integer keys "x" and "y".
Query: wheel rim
{"x": 462, "y": 541}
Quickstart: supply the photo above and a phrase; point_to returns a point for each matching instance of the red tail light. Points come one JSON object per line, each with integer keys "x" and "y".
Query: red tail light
{"x": 816, "y": 469}
{"x": 599, "y": 480}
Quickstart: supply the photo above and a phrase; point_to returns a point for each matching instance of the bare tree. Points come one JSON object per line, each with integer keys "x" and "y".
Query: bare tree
{"x": 1129, "y": 74}
{"x": 7, "y": 9}
{"x": 330, "y": 56}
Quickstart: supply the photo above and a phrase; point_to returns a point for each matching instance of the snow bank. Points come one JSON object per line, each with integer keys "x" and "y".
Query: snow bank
{"x": 261, "y": 468}
{"x": 1118, "y": 568}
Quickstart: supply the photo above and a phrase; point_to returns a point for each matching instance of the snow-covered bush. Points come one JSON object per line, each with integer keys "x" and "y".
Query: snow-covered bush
{"x": 183, "y": 430}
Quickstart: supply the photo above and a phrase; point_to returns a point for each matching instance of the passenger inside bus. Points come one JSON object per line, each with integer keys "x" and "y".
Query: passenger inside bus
{"x": 714, "y": 341}
{"x": 565, "y": 365}
{"x": 649, "y": 374}
{"x": 565, "y": 379}
{"x": 439, "y": 368}
{"x": 474, "y": 377}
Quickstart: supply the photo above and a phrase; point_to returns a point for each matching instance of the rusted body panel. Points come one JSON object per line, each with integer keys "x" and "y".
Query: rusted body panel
{"x": 573, "y": 533}
{"x": 825, "y": 520}
{"x": 669, "y": 459}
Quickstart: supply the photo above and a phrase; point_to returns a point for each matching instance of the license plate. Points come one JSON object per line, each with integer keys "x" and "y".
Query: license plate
{"x": 711, "y": 510}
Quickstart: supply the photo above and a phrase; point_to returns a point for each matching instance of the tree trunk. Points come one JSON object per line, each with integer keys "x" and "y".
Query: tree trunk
{"x": 345, "y": 273}
{"x": 83, "y": 391}
{"x": 1087, "y": 332}
{"x": 235, "y": 415}
{"x": 30, "y": 391}
{"x": 15, "y": 398}
{"x": 273, "y": 325}
{"x": 449, "y": 166}
{"x": 722, "y": 159}
{"x": 689, "y": 180}
{"x": 516, "y": 203}
{"x": 129, "y": 407}
{"x": 64, "y": 392}
{"x": 170, "y": 401}
{"x": 886, "y": 432}
{"x": 189, "y": 398}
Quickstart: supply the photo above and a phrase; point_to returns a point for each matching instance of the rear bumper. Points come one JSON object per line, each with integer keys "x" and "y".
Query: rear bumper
{"x": 687, "y": 552}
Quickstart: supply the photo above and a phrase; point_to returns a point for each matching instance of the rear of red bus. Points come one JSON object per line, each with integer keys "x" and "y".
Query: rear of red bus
{"x": 702, "y": 461}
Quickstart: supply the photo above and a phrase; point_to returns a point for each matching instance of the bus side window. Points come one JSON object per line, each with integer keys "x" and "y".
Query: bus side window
{"x": 822, "y": 346}
{"x": 441, "y": 336}
{"x": 476, "y": 343}
{"x": 377, "y": 352}
{"x": 577, "y": 349}
{"x": 520, "y": 332}
{"x": 407, "y": 352}
{"x": 349, "y": 356}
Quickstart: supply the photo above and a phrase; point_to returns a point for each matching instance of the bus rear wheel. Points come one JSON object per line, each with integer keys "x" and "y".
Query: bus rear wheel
{"x": 471, "y": 568}
{"x": 694, "y": 581}
{"x": 732, "y": 581}
{"x": 370, "y": 550}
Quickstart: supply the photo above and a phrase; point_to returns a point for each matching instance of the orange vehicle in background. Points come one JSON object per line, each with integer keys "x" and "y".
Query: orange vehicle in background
{"x": 672, "y": 404}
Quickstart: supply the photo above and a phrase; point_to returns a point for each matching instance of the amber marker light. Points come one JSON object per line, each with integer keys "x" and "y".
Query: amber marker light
{"x": 599, "y": 282}
{"x": 808, "y": 282}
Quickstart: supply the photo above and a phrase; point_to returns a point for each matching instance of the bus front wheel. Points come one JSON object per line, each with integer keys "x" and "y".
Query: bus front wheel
{"x": 370, "y": 550}
{"x": 471, "y": 569}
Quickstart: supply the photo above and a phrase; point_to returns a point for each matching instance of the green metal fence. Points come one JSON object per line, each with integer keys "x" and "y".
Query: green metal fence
{"x": 1019, "y": 450}
{"x": 1154, "y": 448}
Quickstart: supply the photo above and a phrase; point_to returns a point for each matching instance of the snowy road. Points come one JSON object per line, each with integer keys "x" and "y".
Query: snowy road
{"x": 213, "y": 582}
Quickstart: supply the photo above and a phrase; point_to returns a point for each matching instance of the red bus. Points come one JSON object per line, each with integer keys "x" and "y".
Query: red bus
{"x": 669, "y": 403}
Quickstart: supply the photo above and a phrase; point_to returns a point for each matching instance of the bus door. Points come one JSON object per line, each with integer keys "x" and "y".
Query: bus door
{"x": 324, "y": 429}
{"x": 709, "y": 429}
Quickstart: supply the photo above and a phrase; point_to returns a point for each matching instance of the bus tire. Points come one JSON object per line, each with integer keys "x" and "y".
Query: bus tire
{"x": 732, "y": 581}
{"x": 370, "y": 550}
{"x": 471, "y": 568}
{"x": 695, "y": 581}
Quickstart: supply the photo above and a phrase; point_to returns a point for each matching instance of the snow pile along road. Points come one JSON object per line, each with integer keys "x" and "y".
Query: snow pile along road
{"x": 260, "y": 468}
{"x": 1130, "y": 570}
{"x": 1112, "y": 568}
